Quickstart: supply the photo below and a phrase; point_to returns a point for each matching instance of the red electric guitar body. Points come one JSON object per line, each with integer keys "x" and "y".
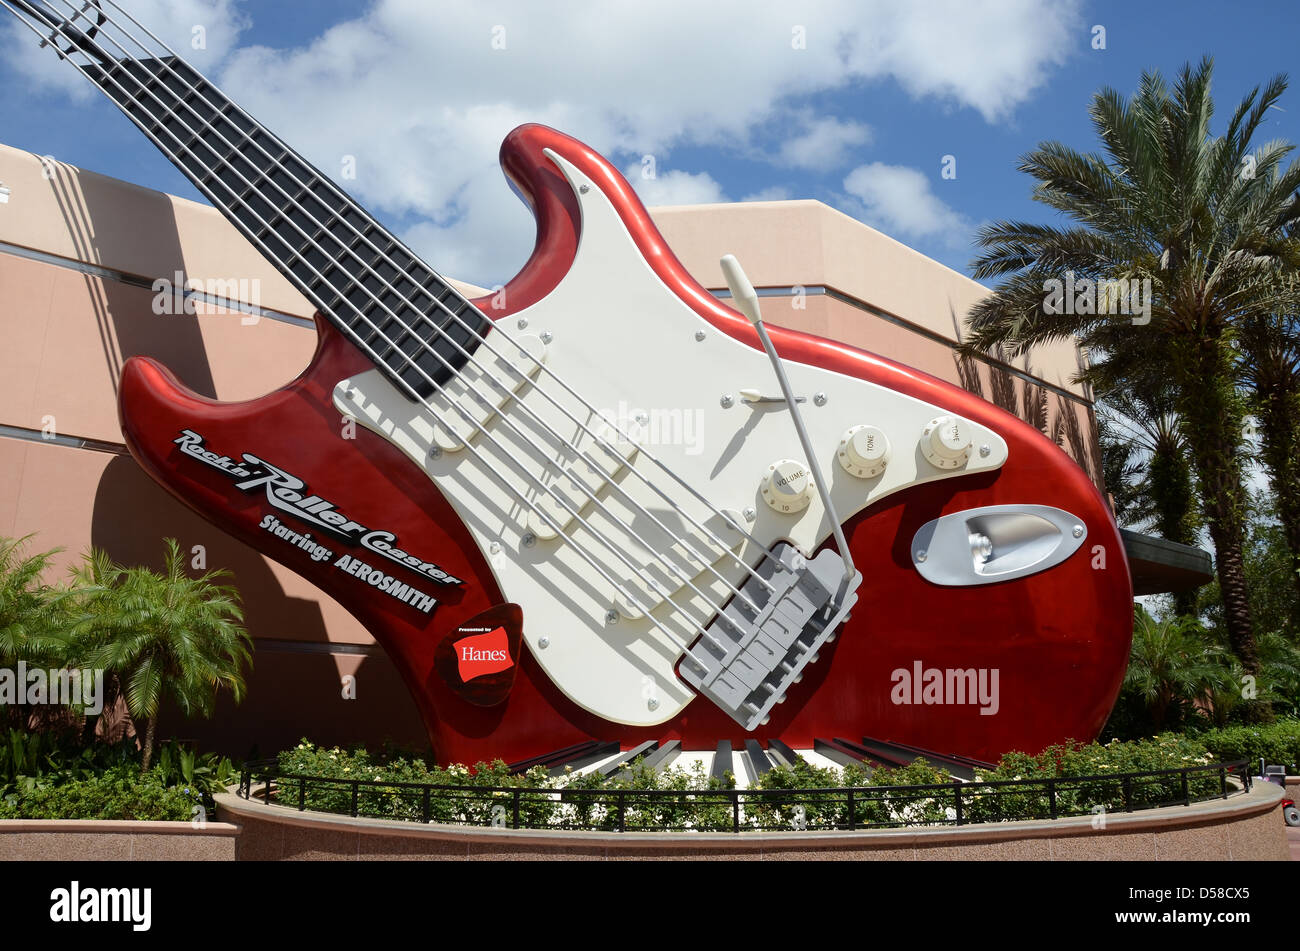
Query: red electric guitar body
{"x": 1058, "y": 639}
{"x": 994, "y": 605}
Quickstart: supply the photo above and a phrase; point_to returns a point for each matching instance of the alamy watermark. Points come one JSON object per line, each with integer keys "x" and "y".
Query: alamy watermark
{"x": 949, "y": 686}
{"x": 654, "y": 427}
{"x": 180, "y": 295}
{"x": 38, "y": 687}
{"x": 78, "y": 903}
{"x": 1085, "y": 296}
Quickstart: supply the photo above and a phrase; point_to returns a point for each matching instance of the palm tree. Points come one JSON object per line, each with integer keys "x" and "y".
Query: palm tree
{"x": 1145, "y": 422}
{"x": 1121, "y": 470}
{"x": 1172, "y": 665}
{"x": 164, "y": 635}
{"x": 29, "y": 630}
{"x": 25, "y": 603}
{"x": 1270, "y": 368}
{"x": 1203, "y": 219}
{"x": 1164, "y": 498}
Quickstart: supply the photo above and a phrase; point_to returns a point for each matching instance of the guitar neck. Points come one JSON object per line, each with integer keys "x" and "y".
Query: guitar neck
{"x": 362, "y": 279}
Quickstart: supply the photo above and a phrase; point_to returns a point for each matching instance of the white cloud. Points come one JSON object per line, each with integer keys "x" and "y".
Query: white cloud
{"x": 899, "y": 201}
{"x": 422, "y": 94}
{"x": 202, "y": 31}
{"x": 675, "y": 187}
{"x": 823, "y": 143}
{"x": 770, "y": 193}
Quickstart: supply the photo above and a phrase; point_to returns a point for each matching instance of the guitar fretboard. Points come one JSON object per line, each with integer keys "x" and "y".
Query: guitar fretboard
{"x": 363, "y": 279}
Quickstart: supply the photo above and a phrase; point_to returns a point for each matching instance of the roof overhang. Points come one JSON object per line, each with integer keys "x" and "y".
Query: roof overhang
{"x": 1159, "y": 565}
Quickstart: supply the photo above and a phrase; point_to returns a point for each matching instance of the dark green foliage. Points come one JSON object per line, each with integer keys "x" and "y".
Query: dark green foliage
{"x": 162, "y": 634}
{"x": 1278, "y": 744}
{"x": 51, "y": 775}
{"x": 121, "y": 792}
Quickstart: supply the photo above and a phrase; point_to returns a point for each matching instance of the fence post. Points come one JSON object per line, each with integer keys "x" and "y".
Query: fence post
{"x": 622, "y": 811}
{"x": 1187, "y": 796}
{"x": 853, "y": 813}
{"x": 1051, "y": 796}
{"x": 1128, "y": 794}
{"x": 302, "y": 794}
{"x": 956, "y": 789}
{"x": 735, "y": 811}
{"x": 424, "y": 805}
{"x": 1223, "y": 781}
{"x": 356, "y": 786}
{"x": 266, "y": 787}
{"x": 515, "y": 816}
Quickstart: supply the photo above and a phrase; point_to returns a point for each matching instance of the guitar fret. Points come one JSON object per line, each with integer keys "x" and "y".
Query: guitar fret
{"x": 360, "y": 275}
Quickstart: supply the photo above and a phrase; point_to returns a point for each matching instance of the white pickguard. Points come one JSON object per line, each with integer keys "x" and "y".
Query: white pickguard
{"x": 619, "y": 337}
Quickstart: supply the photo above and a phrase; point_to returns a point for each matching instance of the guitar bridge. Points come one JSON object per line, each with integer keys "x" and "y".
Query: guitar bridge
{"x": 746, "y": 660}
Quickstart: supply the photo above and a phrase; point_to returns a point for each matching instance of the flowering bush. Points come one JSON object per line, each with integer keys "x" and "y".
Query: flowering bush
{"x": 342, "y": 767}
{"x": 591, "y": 801}
{"x": 1075, "y": 796}
{"x": 786, "y": 797}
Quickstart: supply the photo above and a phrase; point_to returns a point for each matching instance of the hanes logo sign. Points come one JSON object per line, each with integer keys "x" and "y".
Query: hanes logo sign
{"x": 483, "y": 654}
{"x": 478, "y": 659}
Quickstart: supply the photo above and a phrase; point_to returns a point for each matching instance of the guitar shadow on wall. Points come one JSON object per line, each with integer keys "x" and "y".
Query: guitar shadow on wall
{"x": 95, "y": 218}
{"x": 295, "y": 687}
{"x": 291, "y": 692}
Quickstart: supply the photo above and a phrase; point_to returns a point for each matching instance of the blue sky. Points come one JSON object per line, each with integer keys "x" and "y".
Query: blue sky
{"x": 724, "y": 99}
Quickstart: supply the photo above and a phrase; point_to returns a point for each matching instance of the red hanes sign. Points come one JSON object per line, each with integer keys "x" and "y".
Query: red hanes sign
{"x": 483, "y": 654}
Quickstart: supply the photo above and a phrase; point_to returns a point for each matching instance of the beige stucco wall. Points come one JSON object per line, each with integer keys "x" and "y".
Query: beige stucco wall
{"x": 786, "y": 243}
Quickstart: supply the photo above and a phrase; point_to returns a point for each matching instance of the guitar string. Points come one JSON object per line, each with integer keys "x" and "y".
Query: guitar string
{"x": 672, "y": 637}
{"x": 725, "y": 550}
{"x": 662, "y": 558}
{"x": 441, "y": 305}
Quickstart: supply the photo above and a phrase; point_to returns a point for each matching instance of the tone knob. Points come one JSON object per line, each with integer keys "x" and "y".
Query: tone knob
{"x": 864, "y": 451}
{"x": 946, "y": 442}
{"x": 787, "y": 486}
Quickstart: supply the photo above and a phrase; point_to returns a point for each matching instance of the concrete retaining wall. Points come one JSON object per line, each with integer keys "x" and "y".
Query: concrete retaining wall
{"x": 81, "y": 840}
{"x": 1247, "y": 826}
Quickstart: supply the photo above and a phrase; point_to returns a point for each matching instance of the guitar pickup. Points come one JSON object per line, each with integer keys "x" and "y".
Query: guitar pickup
{"x": 685, "y": 556}
{"x": 612, "y": 461}
{"x": 482, "y": 389}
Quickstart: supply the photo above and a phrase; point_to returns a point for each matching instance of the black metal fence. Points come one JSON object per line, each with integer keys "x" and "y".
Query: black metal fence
{"x": 621, "y": 808}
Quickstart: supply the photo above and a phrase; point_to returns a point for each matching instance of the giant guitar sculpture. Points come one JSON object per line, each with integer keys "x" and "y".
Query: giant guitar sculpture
{"x": 540, "y": 575}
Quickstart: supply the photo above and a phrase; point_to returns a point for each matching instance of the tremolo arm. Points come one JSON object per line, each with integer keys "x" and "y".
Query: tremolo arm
{"x": 748, "y": 659}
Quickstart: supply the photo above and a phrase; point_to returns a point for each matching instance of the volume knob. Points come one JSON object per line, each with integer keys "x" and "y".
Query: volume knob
{"x": 787, "y": 486}
{"x": 863, "y": 452}
{"x": 946, "y": 442}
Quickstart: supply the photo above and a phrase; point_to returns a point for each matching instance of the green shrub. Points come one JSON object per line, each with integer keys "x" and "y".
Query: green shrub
{"x": 120, "y": 793}
{"x": 591, "y": 801}
{"x": 1276, "y": 743}
{"x": 786, "y": 797}
{"x": 343, "y": 767}
{"x": 1082, "y": 796}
